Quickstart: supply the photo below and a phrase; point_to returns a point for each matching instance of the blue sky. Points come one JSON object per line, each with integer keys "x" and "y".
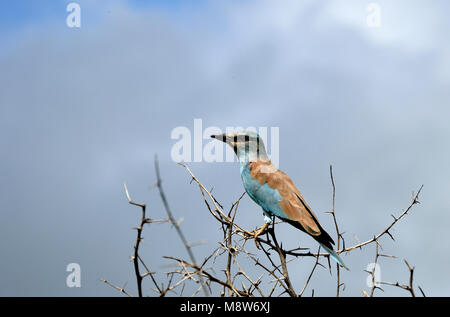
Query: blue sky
{"x": 18, "y": 18}
{"x": 15, "y": 14}
{"x": 83, "y": 110}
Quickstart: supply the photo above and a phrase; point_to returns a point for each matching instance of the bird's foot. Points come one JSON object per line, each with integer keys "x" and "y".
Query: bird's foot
{"x": 257, "y": 232}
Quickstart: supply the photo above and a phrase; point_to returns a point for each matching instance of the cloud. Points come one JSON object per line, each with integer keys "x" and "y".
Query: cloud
{"x": 84, "y": 110}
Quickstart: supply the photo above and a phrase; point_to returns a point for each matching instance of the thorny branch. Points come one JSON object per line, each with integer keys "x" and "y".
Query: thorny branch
{"x": 386, "y": 231}
{"x": 139, "y": 229}
{"x": 176, "y": 224}
{"x": 339, "y": 235}
{"x": 270, "y": 269}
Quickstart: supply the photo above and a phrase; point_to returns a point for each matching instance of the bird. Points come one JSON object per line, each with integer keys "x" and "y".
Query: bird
{"x": 273, "y": 190}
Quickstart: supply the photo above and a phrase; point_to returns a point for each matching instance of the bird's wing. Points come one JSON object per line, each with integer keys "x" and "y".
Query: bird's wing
{"x": 292, "y": 204}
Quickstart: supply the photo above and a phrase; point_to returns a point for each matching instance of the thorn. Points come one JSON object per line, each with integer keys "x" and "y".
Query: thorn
{"x": 390, "y": 235}
{"x": 423, "y": 294}
{"x": 388, "y": 256}
{"x": 320, "y": 264}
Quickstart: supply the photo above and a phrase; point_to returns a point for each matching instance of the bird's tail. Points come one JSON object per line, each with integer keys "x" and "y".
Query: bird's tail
{"x": 335, "y": 256}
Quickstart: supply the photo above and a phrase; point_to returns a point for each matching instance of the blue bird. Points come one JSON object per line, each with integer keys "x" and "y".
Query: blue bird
{"x": 273, "y": 190}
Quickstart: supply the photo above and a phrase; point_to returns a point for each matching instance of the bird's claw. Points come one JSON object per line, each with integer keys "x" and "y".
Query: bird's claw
{"x": 256, "y": 233}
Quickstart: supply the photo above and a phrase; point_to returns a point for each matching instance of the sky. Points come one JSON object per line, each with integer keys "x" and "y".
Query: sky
{"x": 83, "y": 110}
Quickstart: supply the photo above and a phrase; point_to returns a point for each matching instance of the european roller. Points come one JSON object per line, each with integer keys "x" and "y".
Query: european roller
{"x": 273, "y": 190}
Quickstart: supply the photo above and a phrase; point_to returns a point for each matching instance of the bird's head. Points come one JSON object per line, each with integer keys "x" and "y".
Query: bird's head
{"x": 247, "y": 145}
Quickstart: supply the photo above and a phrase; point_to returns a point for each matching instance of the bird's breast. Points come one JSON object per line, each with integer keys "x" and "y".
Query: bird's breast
{"x": 258, "y": 189}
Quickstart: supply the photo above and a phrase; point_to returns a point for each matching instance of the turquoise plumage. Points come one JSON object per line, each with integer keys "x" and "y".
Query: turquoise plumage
{"x": 273, "y": 190}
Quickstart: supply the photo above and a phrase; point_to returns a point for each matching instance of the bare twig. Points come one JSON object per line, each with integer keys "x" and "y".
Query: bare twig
{"x": 282, "y": 256}
{"x": 414, "y": 201}
{"x": 120, "y": 289}
{"x": 139, "y": 229}
{"x": 408, "y": 287}
{"x": 311, "y": 274}
{"x": 173, "y": 222}
{"x": 210, "y": 277}
{"x": 333, "y": 213}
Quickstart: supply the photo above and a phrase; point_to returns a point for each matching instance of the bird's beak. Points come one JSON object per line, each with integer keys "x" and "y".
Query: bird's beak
{"x": 220, "y": 137}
